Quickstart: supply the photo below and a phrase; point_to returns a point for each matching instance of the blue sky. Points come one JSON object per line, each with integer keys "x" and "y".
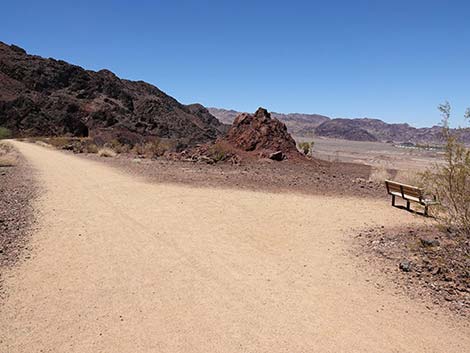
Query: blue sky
{"x": 394, "y": 60}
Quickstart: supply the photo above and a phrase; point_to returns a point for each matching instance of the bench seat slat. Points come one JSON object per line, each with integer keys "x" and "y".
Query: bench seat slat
{"x": 412, "y": 198}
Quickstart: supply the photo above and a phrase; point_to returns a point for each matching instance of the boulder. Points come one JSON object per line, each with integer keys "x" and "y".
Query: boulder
{"x": 262, "y": 134}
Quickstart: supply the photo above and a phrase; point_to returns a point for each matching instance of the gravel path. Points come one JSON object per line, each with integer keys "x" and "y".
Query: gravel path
{"x": 122, "y": 265}
{"x": 17, "y": 191}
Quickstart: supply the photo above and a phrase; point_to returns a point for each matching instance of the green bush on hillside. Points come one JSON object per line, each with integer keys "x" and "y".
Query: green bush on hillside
{"x": 306, "y": 147}
{"x": 4, "y": 133}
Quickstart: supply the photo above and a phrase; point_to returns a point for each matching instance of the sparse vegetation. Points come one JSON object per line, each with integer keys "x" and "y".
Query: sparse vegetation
{"x": 91, "y": 148}
{"x": 106, "y": 152}
{"x": 7, "y": 156}
{"x": 218, "y": 153}
{"x": 155, "y": 148}
{"x": 451, "y": 181}
{"x": 4, "y": 133}
{"x": 379, "y": 174}
{"x": 306, "y": 147}
{"x": 7, "y": 161}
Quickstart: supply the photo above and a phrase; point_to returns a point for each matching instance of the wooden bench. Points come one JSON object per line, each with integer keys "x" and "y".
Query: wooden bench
{"x": 409, "y": 193}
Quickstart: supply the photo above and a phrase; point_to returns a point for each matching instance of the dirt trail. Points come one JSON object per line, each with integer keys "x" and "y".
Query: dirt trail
{"x": 120, "y": 265}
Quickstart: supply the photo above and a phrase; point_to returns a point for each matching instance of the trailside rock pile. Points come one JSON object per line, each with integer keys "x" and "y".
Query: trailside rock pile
{"x": 264, "y": 135}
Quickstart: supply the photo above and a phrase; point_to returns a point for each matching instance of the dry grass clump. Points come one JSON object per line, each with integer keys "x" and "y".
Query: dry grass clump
{"x": 154, "y": 149}
{"x": 91, "y": 148}
{"x": 7, "y": 156}
{"x": 106, "y": 152}
{"x": 117, "y": 146}
{"x": 409, "y": 177}
{"x": 379, "y": 174}
{"x": 7, "y": 161}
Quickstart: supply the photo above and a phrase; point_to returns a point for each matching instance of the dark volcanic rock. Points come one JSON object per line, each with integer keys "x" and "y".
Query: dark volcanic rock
{"x": 277, "y": 156}
{"x": 429, "y": 242}
{"x": 263, "y": 134}
{"x": 50, "y": 97}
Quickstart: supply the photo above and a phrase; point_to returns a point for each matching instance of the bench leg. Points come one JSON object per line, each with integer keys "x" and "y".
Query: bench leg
{"x": 408, "y": 205}
{"x": 393, "y": 200}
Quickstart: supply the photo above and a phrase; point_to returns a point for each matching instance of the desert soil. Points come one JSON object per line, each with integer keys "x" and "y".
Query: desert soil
{"x": 123, "y": 265}
{"x": 17, "y": 190}
{"x": 376, "y": 154}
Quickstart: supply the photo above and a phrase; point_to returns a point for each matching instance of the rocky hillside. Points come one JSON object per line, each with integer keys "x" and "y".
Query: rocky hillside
{"x": 309, "y": 125}
{"x": 377, "y": 130}
{"x": 49, "y": 97}
{"x": 344, "y": 129}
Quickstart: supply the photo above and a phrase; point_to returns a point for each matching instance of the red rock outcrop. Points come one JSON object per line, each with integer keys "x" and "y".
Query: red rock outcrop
{"x": 261, "y": 133}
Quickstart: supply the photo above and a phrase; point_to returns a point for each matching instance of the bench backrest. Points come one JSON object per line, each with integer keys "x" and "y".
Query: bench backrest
{"x": 403, "y": 189}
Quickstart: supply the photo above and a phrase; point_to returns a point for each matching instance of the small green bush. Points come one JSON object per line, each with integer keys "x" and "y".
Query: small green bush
{"x": 306, "y": 147}
{"x": 450, "y": 181}
{"x": 4, "y": 133}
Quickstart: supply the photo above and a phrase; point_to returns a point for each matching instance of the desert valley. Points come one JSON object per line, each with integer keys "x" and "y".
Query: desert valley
{"x": 130, "y": 222}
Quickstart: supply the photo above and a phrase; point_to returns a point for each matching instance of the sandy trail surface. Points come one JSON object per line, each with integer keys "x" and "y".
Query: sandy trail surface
{"x": 121, "y": 265}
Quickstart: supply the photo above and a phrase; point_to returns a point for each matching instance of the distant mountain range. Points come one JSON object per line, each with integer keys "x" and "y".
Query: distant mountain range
{"x": 365, "y": 129}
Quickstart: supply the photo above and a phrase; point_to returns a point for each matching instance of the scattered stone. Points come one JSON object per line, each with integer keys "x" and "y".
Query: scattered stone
{"x": 277, "y": 156}
{"x": 437, "y": 269}
{"x": 405, "y": 266}
{"x": 429, "y": 242}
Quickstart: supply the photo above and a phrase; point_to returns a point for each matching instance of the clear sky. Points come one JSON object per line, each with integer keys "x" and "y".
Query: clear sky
{"x": 391, "y": 59}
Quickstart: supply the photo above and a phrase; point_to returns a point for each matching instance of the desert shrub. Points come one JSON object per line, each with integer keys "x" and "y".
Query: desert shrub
{"x": 155, "y": 148}
{"x": 7, "y": 161}
{"x": 5, "y": 148}
{"x": 117, "y": 146}
{"x": 306, "y": 147}
{"x": 4, "y": 133}
{"x": 58, "y": 142}
{"x": 7, "y": 156}
{"x": 106, "y": 152}
{"x": 218, "y": 153}
{"x": 91, "y": 148}
{"x": 450, "y": 181}
{"x": 379, "y": 175}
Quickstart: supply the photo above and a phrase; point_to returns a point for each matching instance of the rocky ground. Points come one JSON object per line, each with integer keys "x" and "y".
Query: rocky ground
{"x": 425, "y": 262}
{"x": 17, "y": 190}
{"x": 307, "y": 177}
